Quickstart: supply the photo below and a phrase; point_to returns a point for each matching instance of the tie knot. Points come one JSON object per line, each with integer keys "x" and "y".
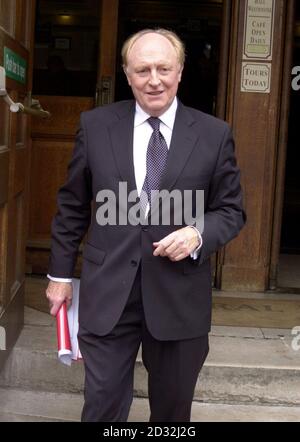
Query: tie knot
{"x": 154, "y": 123}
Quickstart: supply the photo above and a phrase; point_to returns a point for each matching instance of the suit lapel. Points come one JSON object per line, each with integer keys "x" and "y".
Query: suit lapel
{"x": 182, "y": 143}
{"x": 121, "y": 133}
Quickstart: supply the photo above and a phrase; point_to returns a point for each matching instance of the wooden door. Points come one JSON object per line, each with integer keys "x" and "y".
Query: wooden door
{"x": 258, "y": 117}
{"x": 16, "y": 18}
{"x": 89, "y": 56}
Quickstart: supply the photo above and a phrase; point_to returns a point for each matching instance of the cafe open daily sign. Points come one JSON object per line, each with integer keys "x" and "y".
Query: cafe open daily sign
{"x": 15, "y": 66}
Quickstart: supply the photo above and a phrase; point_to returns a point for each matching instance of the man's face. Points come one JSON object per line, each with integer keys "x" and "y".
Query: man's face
{"x": 153, "y": 72}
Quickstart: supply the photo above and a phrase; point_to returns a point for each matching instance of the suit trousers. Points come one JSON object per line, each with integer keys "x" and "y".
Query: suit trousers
{"x": 173, "y": 368}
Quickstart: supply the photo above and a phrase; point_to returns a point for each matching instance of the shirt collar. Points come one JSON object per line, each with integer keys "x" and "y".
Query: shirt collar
{"x": 168, "y": 118}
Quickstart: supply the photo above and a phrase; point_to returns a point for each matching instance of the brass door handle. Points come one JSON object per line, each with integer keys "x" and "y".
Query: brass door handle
{"x": 33, "y": 109}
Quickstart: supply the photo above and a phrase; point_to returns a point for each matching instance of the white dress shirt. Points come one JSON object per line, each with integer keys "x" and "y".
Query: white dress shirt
{"x": 141, "y": 137}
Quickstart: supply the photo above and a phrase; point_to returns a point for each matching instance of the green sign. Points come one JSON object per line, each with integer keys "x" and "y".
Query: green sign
{"x": 15, "y": 66}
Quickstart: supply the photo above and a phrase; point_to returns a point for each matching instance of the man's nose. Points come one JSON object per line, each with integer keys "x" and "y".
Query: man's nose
{"x": 154, "y": 78}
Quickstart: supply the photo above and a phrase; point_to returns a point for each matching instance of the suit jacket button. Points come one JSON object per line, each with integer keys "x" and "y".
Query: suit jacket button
{"x": 133, "y": 263}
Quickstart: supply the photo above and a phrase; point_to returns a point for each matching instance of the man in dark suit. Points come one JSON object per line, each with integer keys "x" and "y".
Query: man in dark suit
{"x": 143, "y": 282}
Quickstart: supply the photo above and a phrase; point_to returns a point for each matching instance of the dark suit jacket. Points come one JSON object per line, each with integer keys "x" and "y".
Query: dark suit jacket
{"x": 176, "y": 295}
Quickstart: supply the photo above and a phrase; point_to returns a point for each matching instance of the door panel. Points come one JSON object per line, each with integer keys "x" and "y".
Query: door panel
{"x": 65, "y": 112}
{"x": 8, "y": 16}
{"x": 16, "y": 18}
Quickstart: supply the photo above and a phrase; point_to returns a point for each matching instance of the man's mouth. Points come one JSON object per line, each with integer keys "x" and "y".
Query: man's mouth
{"x": 155, "y": 93}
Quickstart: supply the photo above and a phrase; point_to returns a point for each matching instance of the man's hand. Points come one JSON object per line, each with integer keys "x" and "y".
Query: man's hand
{"x": 178, "y": 245}
{"x": 57, "y": 293}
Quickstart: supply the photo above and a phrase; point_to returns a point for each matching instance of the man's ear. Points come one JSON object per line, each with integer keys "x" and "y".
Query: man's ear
{"x": 126, "y": 73}
{"x": 180, "y": 73}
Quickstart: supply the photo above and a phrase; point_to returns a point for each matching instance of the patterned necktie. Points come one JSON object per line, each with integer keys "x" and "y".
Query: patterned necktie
{"x": 157, "y": 153}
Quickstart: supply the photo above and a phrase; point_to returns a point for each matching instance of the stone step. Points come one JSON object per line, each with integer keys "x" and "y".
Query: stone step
{"x": 245, "y": 365}
{"x": 33, "y": 406}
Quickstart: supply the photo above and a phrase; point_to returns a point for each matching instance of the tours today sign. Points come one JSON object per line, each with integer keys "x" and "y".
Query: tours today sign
{"x": 256, "y": 77}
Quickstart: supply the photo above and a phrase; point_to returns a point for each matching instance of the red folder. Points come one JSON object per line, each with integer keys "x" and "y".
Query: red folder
{"x": 63, "y": 333}
{"x": 67, "y": 328}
